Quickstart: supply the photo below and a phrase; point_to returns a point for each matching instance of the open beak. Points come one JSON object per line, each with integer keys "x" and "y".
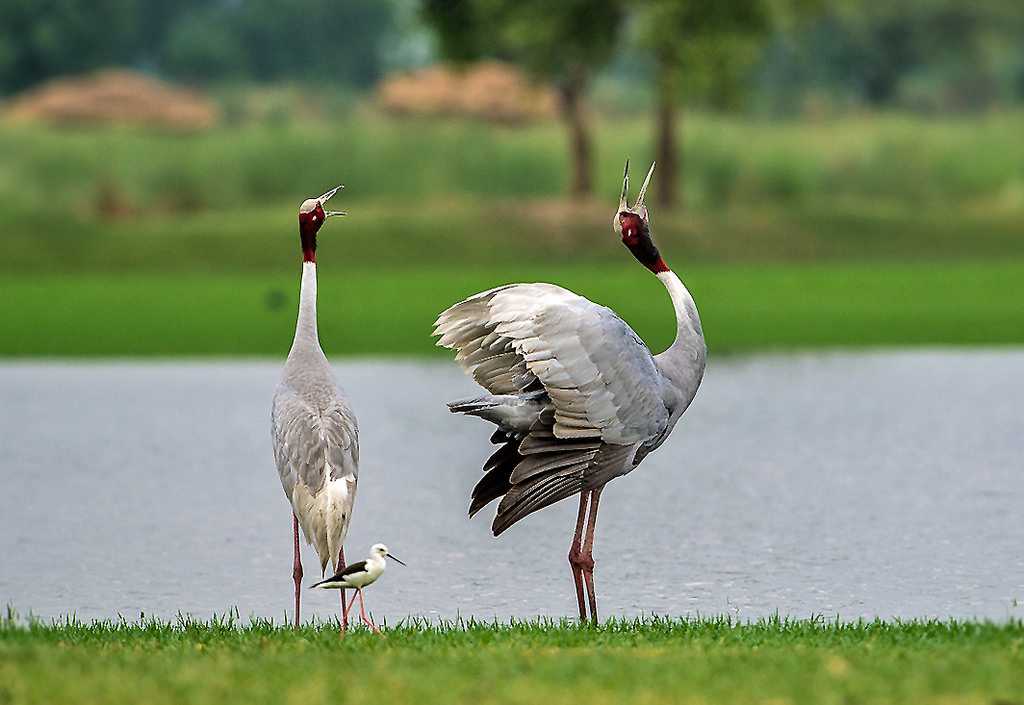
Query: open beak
{"x": 623, "y": 205}
{"x": 326, "y": 197}
{"x": 625, "y": 188}
{"x": 396, "y": 560}
{"x": 643, "y": 189}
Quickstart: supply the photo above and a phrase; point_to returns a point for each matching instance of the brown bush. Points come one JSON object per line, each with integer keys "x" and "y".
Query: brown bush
{"x": 489, "y": 91}
{"x": 113, "y": 96}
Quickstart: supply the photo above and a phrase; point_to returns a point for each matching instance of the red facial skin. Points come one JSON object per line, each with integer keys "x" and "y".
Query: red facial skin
{"x": 637, "y": 237}
{"x": 309, "y": 224}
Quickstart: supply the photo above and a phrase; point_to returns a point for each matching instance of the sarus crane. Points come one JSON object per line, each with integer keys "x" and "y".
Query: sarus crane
{"x": 314, "y": 431}
{"x": 576, "y": 395}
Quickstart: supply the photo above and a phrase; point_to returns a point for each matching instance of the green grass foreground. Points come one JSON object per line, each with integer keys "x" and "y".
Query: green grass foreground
{"x": 389, "y": 311}
{"x": 646, "y": 661}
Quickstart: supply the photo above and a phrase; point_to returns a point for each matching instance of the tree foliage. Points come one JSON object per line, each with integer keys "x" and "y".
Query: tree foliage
{"x": 563, "y": 42}
{"x": 42, "y": 39}
{"x": 196, "y": 40}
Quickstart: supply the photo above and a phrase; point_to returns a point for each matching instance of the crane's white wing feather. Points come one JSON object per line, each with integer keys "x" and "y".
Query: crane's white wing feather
{"x": 599, "y": 375}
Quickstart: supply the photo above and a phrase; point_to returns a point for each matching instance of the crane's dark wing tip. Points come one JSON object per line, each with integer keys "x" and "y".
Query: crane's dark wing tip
{"x": 529, "y": 497}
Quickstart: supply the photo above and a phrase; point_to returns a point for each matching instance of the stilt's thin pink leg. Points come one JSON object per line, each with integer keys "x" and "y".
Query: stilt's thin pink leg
{"x": 297, "y": 569}
{"x": 588, "y": 553}
{"x": 575, "y": 555}
{"x": 362, "y": 613}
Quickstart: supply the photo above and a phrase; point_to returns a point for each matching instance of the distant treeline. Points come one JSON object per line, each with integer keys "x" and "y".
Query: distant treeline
{"x": 197, "y": 40}
{"x": 919, "y": 54}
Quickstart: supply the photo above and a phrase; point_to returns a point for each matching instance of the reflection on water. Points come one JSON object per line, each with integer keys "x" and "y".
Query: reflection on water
{"x": 850, "y": 484}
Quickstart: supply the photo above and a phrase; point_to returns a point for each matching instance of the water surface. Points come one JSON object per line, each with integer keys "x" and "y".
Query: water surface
{"x": 866, "y": 485}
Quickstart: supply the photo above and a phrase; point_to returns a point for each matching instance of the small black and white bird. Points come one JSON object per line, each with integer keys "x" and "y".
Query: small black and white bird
{"x": 357, "y": 576}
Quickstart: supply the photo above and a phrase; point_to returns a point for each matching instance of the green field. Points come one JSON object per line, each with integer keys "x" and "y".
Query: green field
{"x": 895, "y": 160}
{"x": 864, "y": 231}
{"x": 653, "y": 661}
{"x": 751, "y": 307}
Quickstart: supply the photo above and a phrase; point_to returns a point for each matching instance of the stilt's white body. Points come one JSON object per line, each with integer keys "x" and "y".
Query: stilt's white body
{"x": 315, "y": 436}
{"x": 359, "y": 575}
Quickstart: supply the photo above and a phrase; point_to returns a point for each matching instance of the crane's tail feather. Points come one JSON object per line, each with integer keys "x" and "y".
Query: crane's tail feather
{"x": 474, "y": 405}
{"x": 509, "y": 412}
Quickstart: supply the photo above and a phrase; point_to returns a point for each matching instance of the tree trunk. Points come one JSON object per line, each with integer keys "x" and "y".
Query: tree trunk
{"x": 667, "y": 149}
{"x": 571, "y": 94}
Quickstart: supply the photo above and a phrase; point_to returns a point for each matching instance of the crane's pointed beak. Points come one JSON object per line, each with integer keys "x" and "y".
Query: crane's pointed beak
{"x": 395, "y": 560}
{"x": 326, "y": 197}
{"x": 625, "y": 187}
{"x": 643, "y": 189}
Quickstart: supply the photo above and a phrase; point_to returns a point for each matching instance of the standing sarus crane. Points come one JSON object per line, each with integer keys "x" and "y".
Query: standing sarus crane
{"x": 577, "y": 397}
{"x": 314, "y": 432}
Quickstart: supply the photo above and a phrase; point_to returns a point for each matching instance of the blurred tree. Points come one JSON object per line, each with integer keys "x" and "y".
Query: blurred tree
{"x": 922, "y": 54}
{"x": 282, "y": 39}
{"x": 197, "y": 39}
{"x": 692, "y": 36}
{"x": 39, "y": 40}
{"x": 563, "y": 42}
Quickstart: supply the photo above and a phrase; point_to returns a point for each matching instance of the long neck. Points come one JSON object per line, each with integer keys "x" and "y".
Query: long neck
{"x": 683, "y": 361}
{"x": 305, "y": 327}
{"x": 688, "y": 329}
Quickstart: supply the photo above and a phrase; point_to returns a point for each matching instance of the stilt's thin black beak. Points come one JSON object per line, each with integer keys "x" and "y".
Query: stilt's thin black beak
{"x": 396, "y": 560}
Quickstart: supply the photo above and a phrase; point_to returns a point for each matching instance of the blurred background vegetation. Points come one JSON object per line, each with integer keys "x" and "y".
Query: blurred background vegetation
{"x": 830, "y": 172}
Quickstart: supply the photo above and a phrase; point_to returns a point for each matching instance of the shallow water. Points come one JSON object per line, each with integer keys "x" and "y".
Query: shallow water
{"x": 866, "y": 485}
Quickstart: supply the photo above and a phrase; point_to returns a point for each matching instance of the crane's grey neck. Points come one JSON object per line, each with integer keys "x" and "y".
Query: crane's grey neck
{"x": 683, "y": 362}
{"x": 305, "y": 327}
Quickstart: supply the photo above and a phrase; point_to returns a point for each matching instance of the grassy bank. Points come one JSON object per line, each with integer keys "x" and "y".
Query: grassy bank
{"x": 865, "y": 231}
{"x": 744, "y": 308}
{"x": 657, "y": 661}
{"x": 872, "y": 188}
{"x": 891, "y": 158}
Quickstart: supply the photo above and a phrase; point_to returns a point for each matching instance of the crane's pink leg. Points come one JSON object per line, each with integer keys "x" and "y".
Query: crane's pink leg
{"x": 362, "y": 613}
{"x": 341, "y": 567}
{"x": 576, "y": 556}
{"x": 588, "y": 553}
{"x": 297, "y": 568}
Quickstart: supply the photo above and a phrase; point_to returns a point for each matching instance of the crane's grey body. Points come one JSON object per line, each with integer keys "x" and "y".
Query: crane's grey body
{"x": 576, "y": 395}
{"x": 315, "y": 436}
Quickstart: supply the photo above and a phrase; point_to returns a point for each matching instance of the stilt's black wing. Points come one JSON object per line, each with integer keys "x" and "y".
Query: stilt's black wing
{"x": 359, "y": 567}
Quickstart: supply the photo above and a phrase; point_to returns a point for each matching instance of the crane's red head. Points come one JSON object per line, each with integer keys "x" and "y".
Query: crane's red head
{"x": 311, "y": 217}
{"x": 634, "y": 225}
